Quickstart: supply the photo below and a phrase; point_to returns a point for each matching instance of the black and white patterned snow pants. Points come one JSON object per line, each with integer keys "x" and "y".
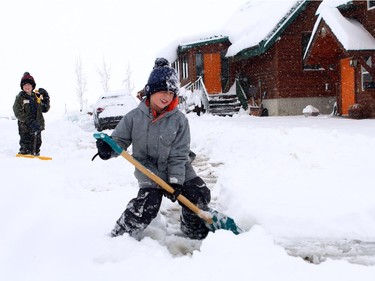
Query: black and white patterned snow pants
{"x": 141, "y": 210}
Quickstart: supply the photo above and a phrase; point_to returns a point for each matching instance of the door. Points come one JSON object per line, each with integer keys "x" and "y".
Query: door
{"x": 212, "y": 72}
{"x": 347, "y": 86}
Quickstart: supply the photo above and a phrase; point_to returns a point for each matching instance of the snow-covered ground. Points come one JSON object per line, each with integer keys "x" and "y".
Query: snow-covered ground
{"x": 302, "y": 188}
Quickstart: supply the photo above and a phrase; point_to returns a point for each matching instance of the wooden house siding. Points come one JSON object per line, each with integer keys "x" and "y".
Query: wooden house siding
{"x": 367, "y": 18}
{"x": 358, "y": 11}
{"x": 257, "y": 73}
{"x": 277, "y": 66}
{"x": 280, "y": 71}
{"x": 294, "y": 79}
{"x": 326, "y": 46}
{"x": 327, "y": 51}
{"x": 215, "y": 48}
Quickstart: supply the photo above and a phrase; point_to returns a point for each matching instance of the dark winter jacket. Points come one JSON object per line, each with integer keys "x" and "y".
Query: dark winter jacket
{"x": 27, "y": 109}
{"x": 162, "y": 145}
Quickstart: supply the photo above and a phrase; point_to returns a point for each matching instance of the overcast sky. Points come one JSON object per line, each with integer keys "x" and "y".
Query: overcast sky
{"x": 45, "y": 37}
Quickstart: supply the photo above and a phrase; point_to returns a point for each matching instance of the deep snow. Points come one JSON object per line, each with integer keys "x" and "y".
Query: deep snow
{"x": 302, "y": 183}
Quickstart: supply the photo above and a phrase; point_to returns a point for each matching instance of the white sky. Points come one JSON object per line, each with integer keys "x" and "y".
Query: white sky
{"x": 46, "y": 37}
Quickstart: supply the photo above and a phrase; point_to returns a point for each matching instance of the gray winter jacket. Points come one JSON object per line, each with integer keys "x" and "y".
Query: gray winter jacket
{"x": 161, "y": 145}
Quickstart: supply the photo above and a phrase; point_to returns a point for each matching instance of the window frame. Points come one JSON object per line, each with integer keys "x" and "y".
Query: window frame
{"x": 364, "y": 76}
{"x": 370, "y": 4}
{"x": 185, "y": 67}
{"x": 176, "y": 66}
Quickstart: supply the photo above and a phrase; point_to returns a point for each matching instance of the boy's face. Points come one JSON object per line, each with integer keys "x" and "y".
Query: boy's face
{"x": 27, "y": 88}
{"x": 160, "y": 100}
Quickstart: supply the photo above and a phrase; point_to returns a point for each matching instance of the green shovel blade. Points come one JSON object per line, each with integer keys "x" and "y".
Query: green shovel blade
{"x": 221, "y": 221}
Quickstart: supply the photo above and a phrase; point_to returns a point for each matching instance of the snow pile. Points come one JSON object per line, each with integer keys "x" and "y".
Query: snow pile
{"x": 310, "y": 111}
{"x": 285, "y": 180}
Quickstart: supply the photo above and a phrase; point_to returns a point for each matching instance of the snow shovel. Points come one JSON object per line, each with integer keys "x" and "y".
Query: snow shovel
{"x": 213, "y": 219}
{"x": 34, "y": 152}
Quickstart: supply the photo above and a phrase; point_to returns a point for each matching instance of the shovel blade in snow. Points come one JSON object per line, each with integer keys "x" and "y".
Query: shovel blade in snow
{"x": 221, "y": 221}
{"x": 34, "y": 156}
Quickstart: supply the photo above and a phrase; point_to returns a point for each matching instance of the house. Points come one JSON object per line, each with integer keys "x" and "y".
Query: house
{"x": 261, "y": 52}
{"x": 203, "y": 70}
{"x": 266, "y": 56}
{"x": 343, "y": 44}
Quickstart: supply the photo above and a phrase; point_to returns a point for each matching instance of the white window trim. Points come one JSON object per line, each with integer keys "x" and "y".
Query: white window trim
{"x": 177, "y": 67}
{"x": 364, "y": 72}
{"x": 185, "y": 68}
{"x": 369, "y": 7}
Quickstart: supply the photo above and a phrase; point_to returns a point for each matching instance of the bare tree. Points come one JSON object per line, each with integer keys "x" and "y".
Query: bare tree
{"x": 81, "y": 82}
{"x": 105, "y": 75}
{"x": 128, "y": 82}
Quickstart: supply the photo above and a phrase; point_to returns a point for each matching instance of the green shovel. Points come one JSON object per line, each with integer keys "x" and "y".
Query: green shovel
{"x": 213, "y": 219}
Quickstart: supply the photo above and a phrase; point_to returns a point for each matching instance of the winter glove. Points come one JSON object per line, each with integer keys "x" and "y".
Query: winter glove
{"x": 104, "y": 149}
{"x": 177, "y": 191}
{"x": 34, "y": 126}
{"x": 45, "y": 99}
{"x": 44, "y": 93}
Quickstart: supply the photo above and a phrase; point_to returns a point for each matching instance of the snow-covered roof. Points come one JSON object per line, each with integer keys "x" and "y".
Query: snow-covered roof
{"x": 257, "y": 21}
{"x": 203, "y": 41}
{"x": 352, "y": 35}
{"x": 255, "y": 24}
{"x": 331, "y": 4}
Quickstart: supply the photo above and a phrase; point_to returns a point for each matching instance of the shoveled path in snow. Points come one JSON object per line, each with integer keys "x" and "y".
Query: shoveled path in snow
{"x": 319, "y": 250}
{"x": 311, "y": 250}
{"x": 166, "y": 227}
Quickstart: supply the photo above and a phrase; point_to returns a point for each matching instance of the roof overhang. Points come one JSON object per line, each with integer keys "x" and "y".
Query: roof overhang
{"x": 203, "y": 42}
{"x": 324, "y": 48}
{"x": 274, "y": 35}
{"x": 334, "y": 35}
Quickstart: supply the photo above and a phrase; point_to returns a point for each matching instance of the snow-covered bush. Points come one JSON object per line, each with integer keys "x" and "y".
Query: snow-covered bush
{"x": 310, "y": 111}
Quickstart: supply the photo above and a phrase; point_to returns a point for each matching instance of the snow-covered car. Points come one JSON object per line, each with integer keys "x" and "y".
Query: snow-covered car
{"x": 111, "y": 107}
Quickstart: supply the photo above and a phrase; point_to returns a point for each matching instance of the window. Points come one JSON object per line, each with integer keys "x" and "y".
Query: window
{"x": 370, "y": 4}
{"x": 199, "y": 64}
{"x": 368, "y": 81}
{"x": 185, "y": 68}
{"x": 176, "y": 66}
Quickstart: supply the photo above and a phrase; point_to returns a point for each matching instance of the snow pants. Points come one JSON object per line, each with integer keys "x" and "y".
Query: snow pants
{"x": 141, "y": 210}
{"x": 27, "y": 142}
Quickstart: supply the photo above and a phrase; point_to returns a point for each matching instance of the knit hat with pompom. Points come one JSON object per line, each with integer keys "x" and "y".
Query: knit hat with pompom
{"x": 162, "y": 78}
{"x": 27, "y": 79}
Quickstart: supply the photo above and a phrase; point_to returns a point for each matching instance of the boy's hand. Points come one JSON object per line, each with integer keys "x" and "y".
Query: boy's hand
{"x": 44, "y": 93}
{"x": 177, "y": 191}
{"x": 104, "y": 149}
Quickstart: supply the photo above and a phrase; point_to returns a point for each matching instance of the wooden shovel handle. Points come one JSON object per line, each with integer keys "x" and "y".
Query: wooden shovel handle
{"x": 202, "y": 214}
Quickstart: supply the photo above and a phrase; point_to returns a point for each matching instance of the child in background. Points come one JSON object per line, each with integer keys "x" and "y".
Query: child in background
{"x": 28, "y": 108}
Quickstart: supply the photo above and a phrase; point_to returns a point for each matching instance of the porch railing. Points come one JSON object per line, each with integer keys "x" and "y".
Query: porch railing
{"x": 198, "y": 85}
{"x": 241, "y": 95}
